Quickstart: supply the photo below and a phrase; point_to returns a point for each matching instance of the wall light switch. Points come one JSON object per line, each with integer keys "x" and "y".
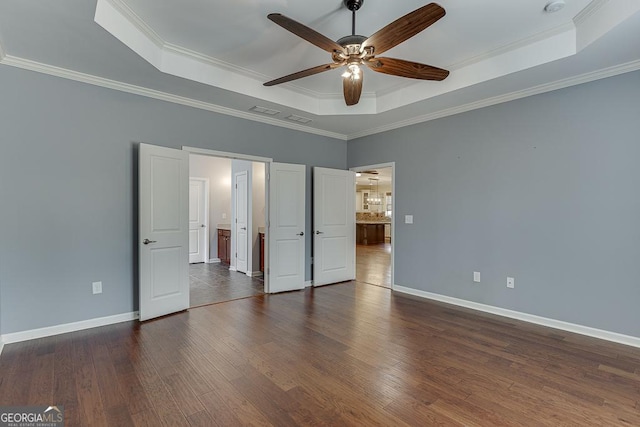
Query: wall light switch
{"x": 408, "y": 219}
{"x": 97, "y": 287}
{"x": 476, "y": 276}
{"x": 224, "y": 216}
{"x": 511, "y": 282}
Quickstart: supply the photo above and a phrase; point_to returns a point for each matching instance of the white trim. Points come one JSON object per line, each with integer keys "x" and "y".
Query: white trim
{"x": 308, "y": 283}
{"x": 213, "y": 261}
{"x": 589, "y": 11}
{"x": 225, "y": 154}
{"x": 530, "y": 318}
{"x": 27, "y": 64}
{"x": 391, "y": 165}
{"x": 1, "y": 346}
{"x": 535, "y": 90}
{"x": 254, "y": 273}
{"x": 519, "y": 44}
{"x": 68, "y": 327}
{"x": 164, "y": 96}
{"x": 232, "y": 268}
{"x": 2, "y": 55}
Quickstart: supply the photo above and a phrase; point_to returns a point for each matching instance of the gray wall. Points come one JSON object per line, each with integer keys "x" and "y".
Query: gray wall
{"x": 68, "y": 155}
{"x": 545, "y": 189}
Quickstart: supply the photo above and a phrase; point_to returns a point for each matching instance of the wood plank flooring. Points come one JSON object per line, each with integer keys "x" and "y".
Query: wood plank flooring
{"x": 214, "y": 283}
{"x": 346, "y": 354}
{"x": 373, "y": 264}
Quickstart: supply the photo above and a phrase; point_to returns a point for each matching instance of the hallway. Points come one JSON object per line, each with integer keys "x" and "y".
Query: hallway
{"x": 373, "y": 264}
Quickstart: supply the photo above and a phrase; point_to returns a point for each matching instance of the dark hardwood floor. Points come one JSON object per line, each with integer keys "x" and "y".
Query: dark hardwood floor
{"x": 346, "y": 354}
{"x": 373, "y": 264}
{"x": 214, "y": 283}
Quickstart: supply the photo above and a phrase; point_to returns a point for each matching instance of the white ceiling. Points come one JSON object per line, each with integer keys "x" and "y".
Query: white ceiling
{"x": 215, "y": 54}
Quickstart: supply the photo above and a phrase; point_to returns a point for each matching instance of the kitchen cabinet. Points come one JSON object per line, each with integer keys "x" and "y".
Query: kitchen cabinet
{"x": 369, "y": 233}
{"x": 362, "y": 201}
{"x": 224, "y": 245}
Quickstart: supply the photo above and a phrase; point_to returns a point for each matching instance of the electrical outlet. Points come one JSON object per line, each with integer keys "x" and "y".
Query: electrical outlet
{"x": 476, "y": 276}
{"x": 97, "y": 287}
{"x": 408, "y": 219}
{"x": 224, "y": 216}
{"x": 511, "y": 282}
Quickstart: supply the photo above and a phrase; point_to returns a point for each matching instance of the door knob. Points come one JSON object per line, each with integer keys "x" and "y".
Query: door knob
{"x": 147, "y": 241}
{"x": 202, "y": 225}
{"x": 319, "y": 232}
{"x": 243, "y": 228}
{"x": 301, "y": 233}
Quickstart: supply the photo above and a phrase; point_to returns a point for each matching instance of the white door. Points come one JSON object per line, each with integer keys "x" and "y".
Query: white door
{"x": 164, "y": 230}
{"x": 286, "y": 238}
{"x": 242, "y": 237}
{"x": 198, "y": 234}
{"x": 334, "y": 222}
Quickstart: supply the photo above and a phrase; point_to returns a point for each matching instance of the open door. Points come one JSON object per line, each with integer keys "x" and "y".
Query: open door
{"x": 242, "y": 238}
{"x": 198, "y": 219}
{"x": 286, "y": 227}
{"x": 164, "y": 231}
{"x": 334, "y": 221}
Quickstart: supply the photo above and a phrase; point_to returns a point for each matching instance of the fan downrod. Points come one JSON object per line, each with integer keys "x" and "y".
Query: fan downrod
{"x": 353, "y": 5}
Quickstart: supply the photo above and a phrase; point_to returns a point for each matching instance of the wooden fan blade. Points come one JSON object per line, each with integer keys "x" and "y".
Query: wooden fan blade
{"x": 402, "y": 68}
{"x": 404, "y": 28}
{"x": 352, "y": 89}
{"x": 306, "y": 33}
{"x": 304, "y": 73}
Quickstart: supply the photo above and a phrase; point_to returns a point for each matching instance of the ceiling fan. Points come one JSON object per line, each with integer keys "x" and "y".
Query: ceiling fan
{"x": 354, "y": 51}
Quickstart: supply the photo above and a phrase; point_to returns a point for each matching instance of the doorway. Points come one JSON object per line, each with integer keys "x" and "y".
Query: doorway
{"x": 374, "y": 224}
{"x": 236, "y": 217}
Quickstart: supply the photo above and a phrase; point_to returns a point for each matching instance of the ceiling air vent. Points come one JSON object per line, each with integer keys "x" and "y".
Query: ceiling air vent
{"x": 299, "y": 119}
{"x": 264, "y": 110}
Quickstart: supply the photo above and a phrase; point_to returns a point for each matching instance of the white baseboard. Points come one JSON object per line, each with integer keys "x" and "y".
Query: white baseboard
{"x": 531, "y": 318}
{"x": 308, "y": 283}
{"x": 67, "y": 327}
{"x": 1, "y": 346}
{"x": 213, "y": 261}
{"x": 254, "y": 273}
{"x": 232, "y": 268}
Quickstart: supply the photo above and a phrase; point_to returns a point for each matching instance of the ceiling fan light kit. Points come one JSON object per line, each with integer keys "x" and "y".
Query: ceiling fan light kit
{"x": 355, "y": 51}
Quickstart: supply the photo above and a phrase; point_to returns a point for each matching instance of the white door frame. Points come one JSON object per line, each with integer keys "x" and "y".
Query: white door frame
{"x": 205, "y": 182}
{"x": 392, "y": 165}
{"x": 267, "y": 161}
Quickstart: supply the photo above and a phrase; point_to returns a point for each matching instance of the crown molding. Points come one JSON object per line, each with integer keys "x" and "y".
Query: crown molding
{"x": 535, "y": 90}
{"x": 27, "y": 64}
{"x": 513, "y": 46}
{"x": 163, "y": 96}
{"x": 137, "y": 22}
{"x": 591, "y": 9}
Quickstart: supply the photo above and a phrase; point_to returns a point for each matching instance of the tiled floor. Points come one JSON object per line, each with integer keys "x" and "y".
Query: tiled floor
{"x": 373, "y": 264}
{"x": 213, "y": 283}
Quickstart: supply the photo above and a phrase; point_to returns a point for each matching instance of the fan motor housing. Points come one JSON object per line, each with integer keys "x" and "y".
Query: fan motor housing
{"x": 353, "y": 39}
{"x": 353, "y": 4}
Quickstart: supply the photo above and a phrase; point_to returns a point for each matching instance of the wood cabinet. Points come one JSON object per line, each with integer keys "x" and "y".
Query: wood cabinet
{"x": 262, "y": 252}
{"x": 224, "y": 246}
{"x": 369, "y": 233}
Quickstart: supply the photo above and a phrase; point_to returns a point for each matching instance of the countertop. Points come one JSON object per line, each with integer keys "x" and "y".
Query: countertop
{"x": 224, "y": 226}
{"x": 373, "y": 222}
